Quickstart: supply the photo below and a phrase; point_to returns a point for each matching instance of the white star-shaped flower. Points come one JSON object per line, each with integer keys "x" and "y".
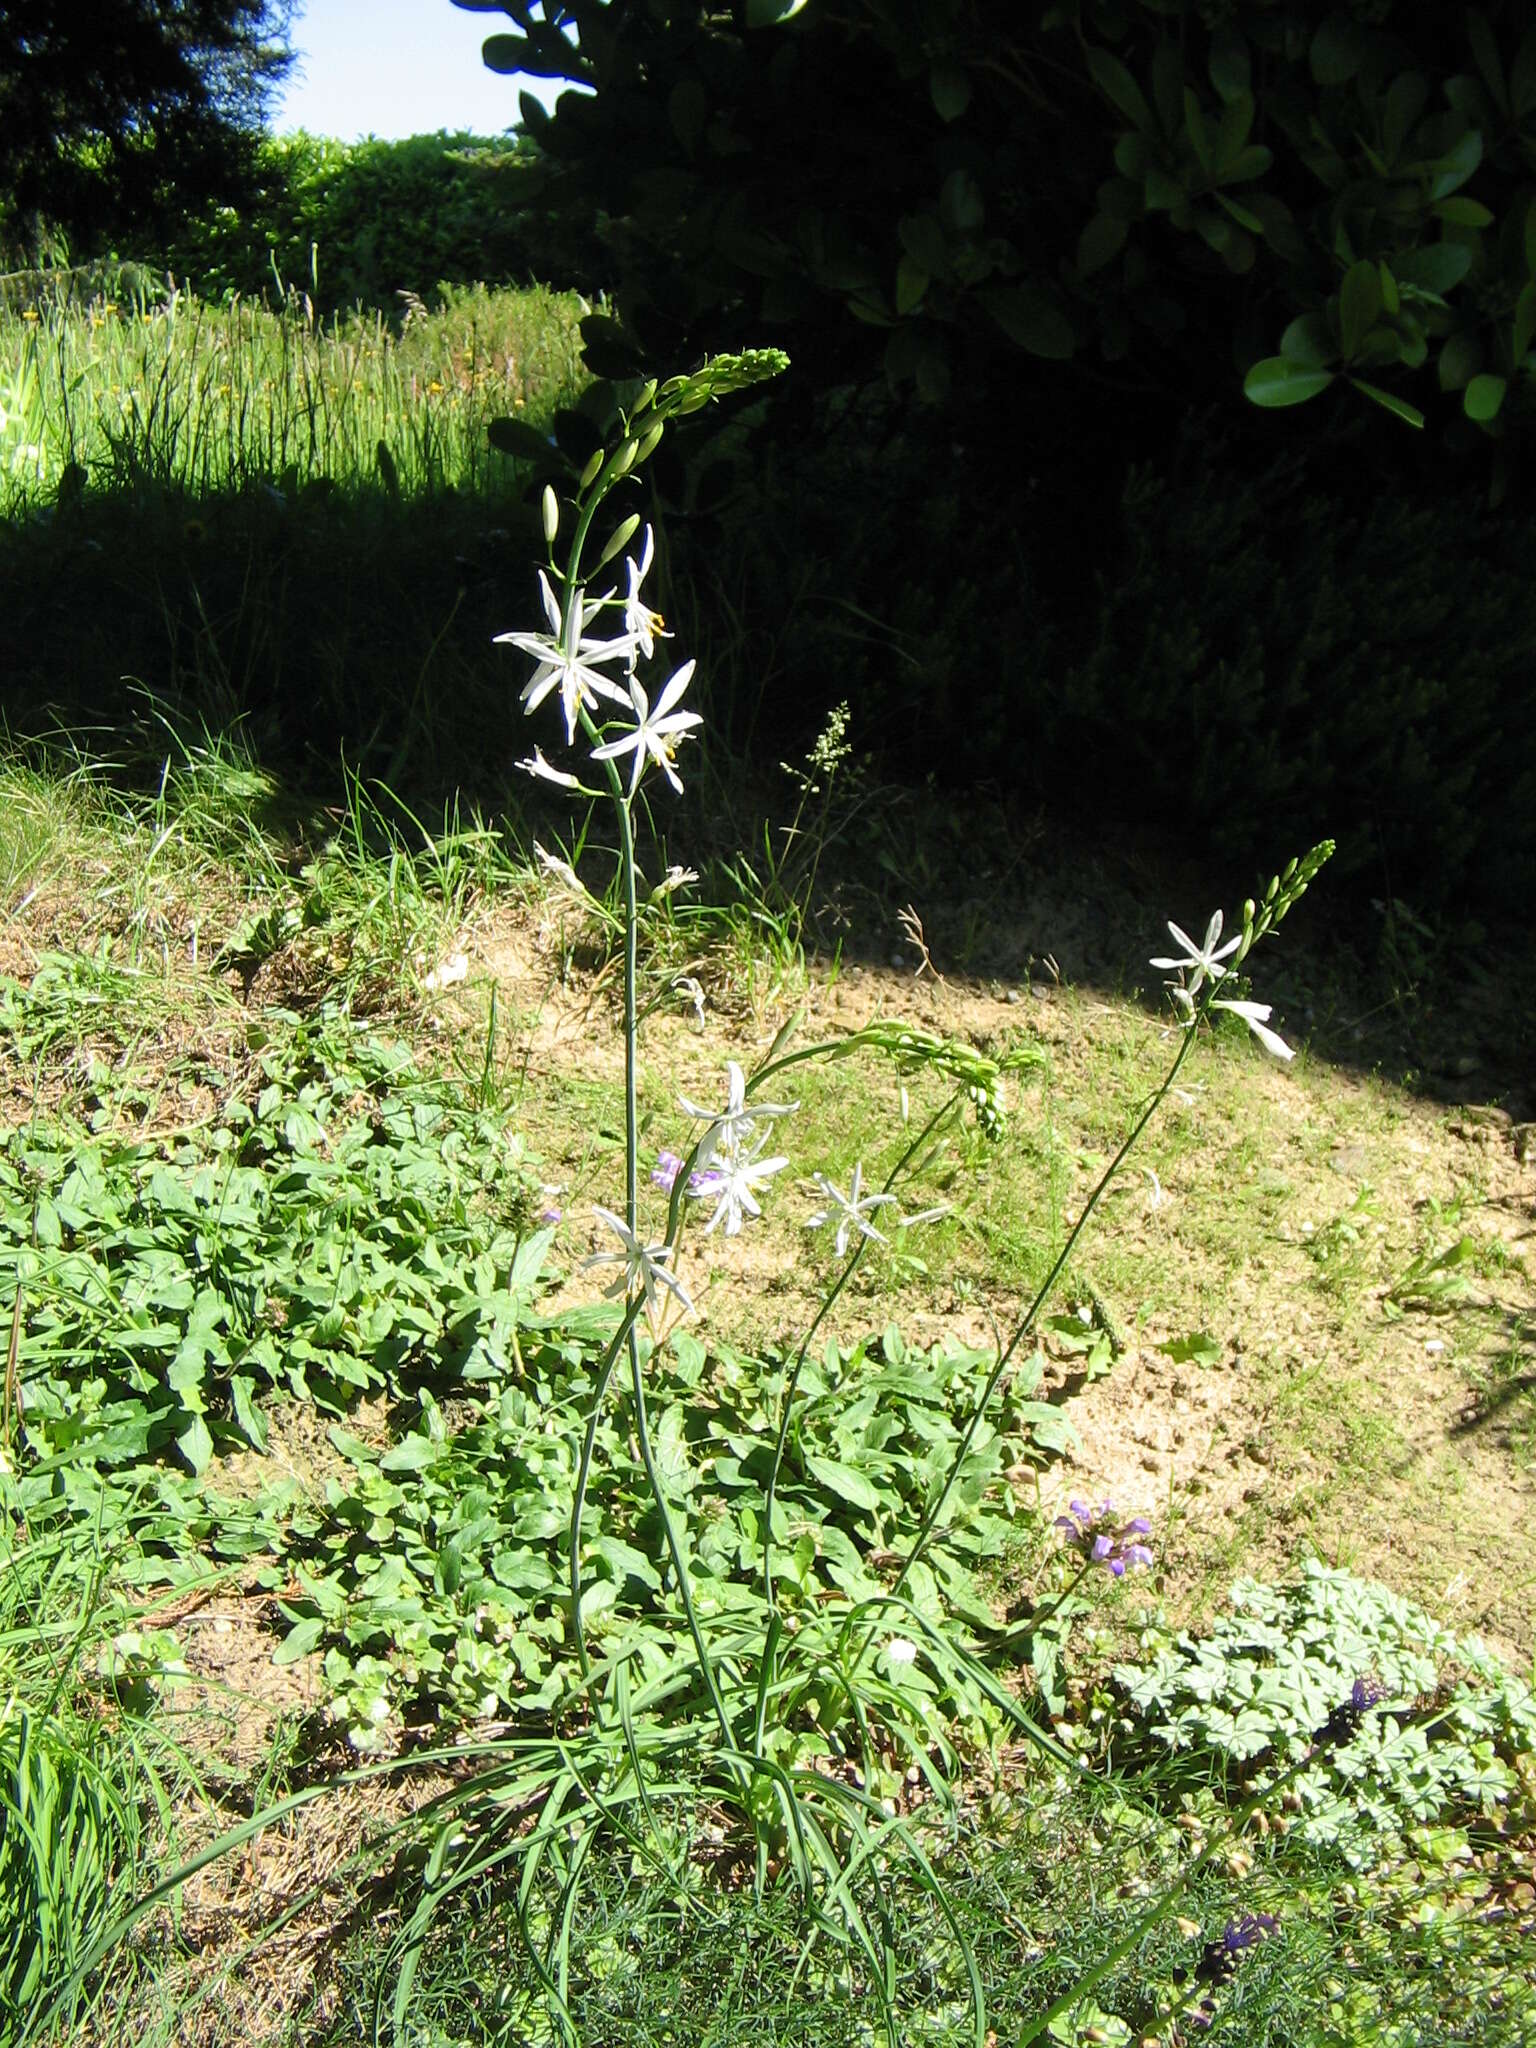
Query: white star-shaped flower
{"x": 573, "y": 667}
{"x": 727, "y": 1132}
{"x": 1206, "y": 959}
{"x": 657, "y": 732}
{"x": 645, "y": 1265}
{"x": 852, "y": 1210}
{"x": 736, "y": 1179}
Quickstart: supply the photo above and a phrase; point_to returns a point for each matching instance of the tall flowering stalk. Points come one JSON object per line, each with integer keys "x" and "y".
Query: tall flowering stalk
{"x": 621, "y": 735}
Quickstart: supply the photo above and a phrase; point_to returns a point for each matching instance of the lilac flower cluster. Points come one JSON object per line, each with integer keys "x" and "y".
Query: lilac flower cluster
{"x": 1118, "y": 1548}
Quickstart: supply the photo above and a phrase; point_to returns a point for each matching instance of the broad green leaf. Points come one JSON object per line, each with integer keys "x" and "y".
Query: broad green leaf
{"x": 1117, "y": 85}
{"x": 1336, "y": 51}
{"x": 1409, "y": 414}
{"x": 1032, "y": 320}
{"x": 1360, "y": 306}
{"x": 950, "y": 88}
{"x": 300, "y": 1640}
{"x": 1232, "y": 136}
{"x": 1483, "y": 397}
{"x": 412, "y": 1454}
{"x": 1100, "y": 243}
{"x": 1308, "y": 343}
{"x": 509, "y": 55}
{"x": 1199, "y": 1349}
{"x": 961, "y": 206}
{"x": 1457, "y": 165}
{"x": 517, "y": 438}
{"x": 1438, "y": 267}
{"x": 1231, "y": 67}
{"x": 1248, "y": 164}
{"x": 1462, "y": 212}
{"x": 911, "y": 284}
{"x": 1275, "y": 382}
{"x": 196, "y": 1445}
{"x": 843, "y": 1480}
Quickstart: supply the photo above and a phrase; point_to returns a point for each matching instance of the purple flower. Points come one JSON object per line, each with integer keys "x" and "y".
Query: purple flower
{"x": 1110, "y": 1547}
{"x": 1343, "y": 1724}
{"x": 700, "y": 1185}
{"x": 1219, "y": 1959}
{"x": 550, "y": 1215}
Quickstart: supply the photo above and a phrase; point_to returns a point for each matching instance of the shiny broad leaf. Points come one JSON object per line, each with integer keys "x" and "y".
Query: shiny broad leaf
{"x": 1483, "y": 398}
{"x": 1409, "y": 414}
{"x": 1276, "y": 382}
{"x": 1033, "y": 321}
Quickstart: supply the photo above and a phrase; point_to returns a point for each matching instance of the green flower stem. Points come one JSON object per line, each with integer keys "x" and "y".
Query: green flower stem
{"x": 1047, "y": 1286}
{"x": 933, "y": 1123}
{"x": 632, "y": 1186}
{"x": 584, "y": 1473}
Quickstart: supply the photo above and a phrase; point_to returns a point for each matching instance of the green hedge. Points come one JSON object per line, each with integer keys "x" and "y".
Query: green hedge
{"x": 381, "y": 218}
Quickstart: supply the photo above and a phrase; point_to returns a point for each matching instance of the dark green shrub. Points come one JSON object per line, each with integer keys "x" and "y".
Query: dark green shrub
{"x": 361, "y": 223}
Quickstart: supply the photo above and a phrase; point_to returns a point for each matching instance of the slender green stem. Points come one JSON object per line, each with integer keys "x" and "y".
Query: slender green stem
{"x": 636, "y": 1374}
{"x": 583, "y": 1476}
{"x": 994, "y": 1378}
{"x": 945, "y": 1109}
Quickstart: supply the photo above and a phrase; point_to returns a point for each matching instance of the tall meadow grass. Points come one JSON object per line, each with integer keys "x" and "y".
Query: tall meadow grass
{"x": 203, "y": 399}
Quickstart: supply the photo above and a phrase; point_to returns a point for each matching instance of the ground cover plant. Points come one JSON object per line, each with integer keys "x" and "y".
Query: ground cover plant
{"x": 753, "y": 1677}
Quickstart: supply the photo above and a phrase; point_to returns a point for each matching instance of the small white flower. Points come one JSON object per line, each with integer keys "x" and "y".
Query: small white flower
{"x": 641, "y": 625}
{"x": 1256, "y": 1017}
{"x": 690, "y": 986}
{"x": 573, "y": 668}
{"x": 735, "y": 1177}
{"x": 537, "y": 765}
{"x": 729, "y": 1132}
{"x": 851, "y": 1210}
{"x": 1159, "y": 1194}
{"x": 451, "y": 970}
{"x": 657, "y": 731}
{"x": 901, "y": 1651}
{"x": 645, "y": 1265}
{"x": 673, "y": 880}
{"x": 1206, "y": 959}
{"x": 562, "y": 872}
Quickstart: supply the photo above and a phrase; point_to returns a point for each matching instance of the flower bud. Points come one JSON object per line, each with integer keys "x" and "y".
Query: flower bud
{"x": 648, "y": 442}
{"x": 620, "y": 538}
{"x": 624, "y": 461}
{"x": 594, "y": 464}
{"x": 551, "y": 510}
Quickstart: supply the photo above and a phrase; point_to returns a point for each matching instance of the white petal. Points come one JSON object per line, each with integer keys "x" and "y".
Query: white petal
{"x": 537, "y": 765}
{"x": 676, "y": 685}
{"x": 1255, "y": 1016}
